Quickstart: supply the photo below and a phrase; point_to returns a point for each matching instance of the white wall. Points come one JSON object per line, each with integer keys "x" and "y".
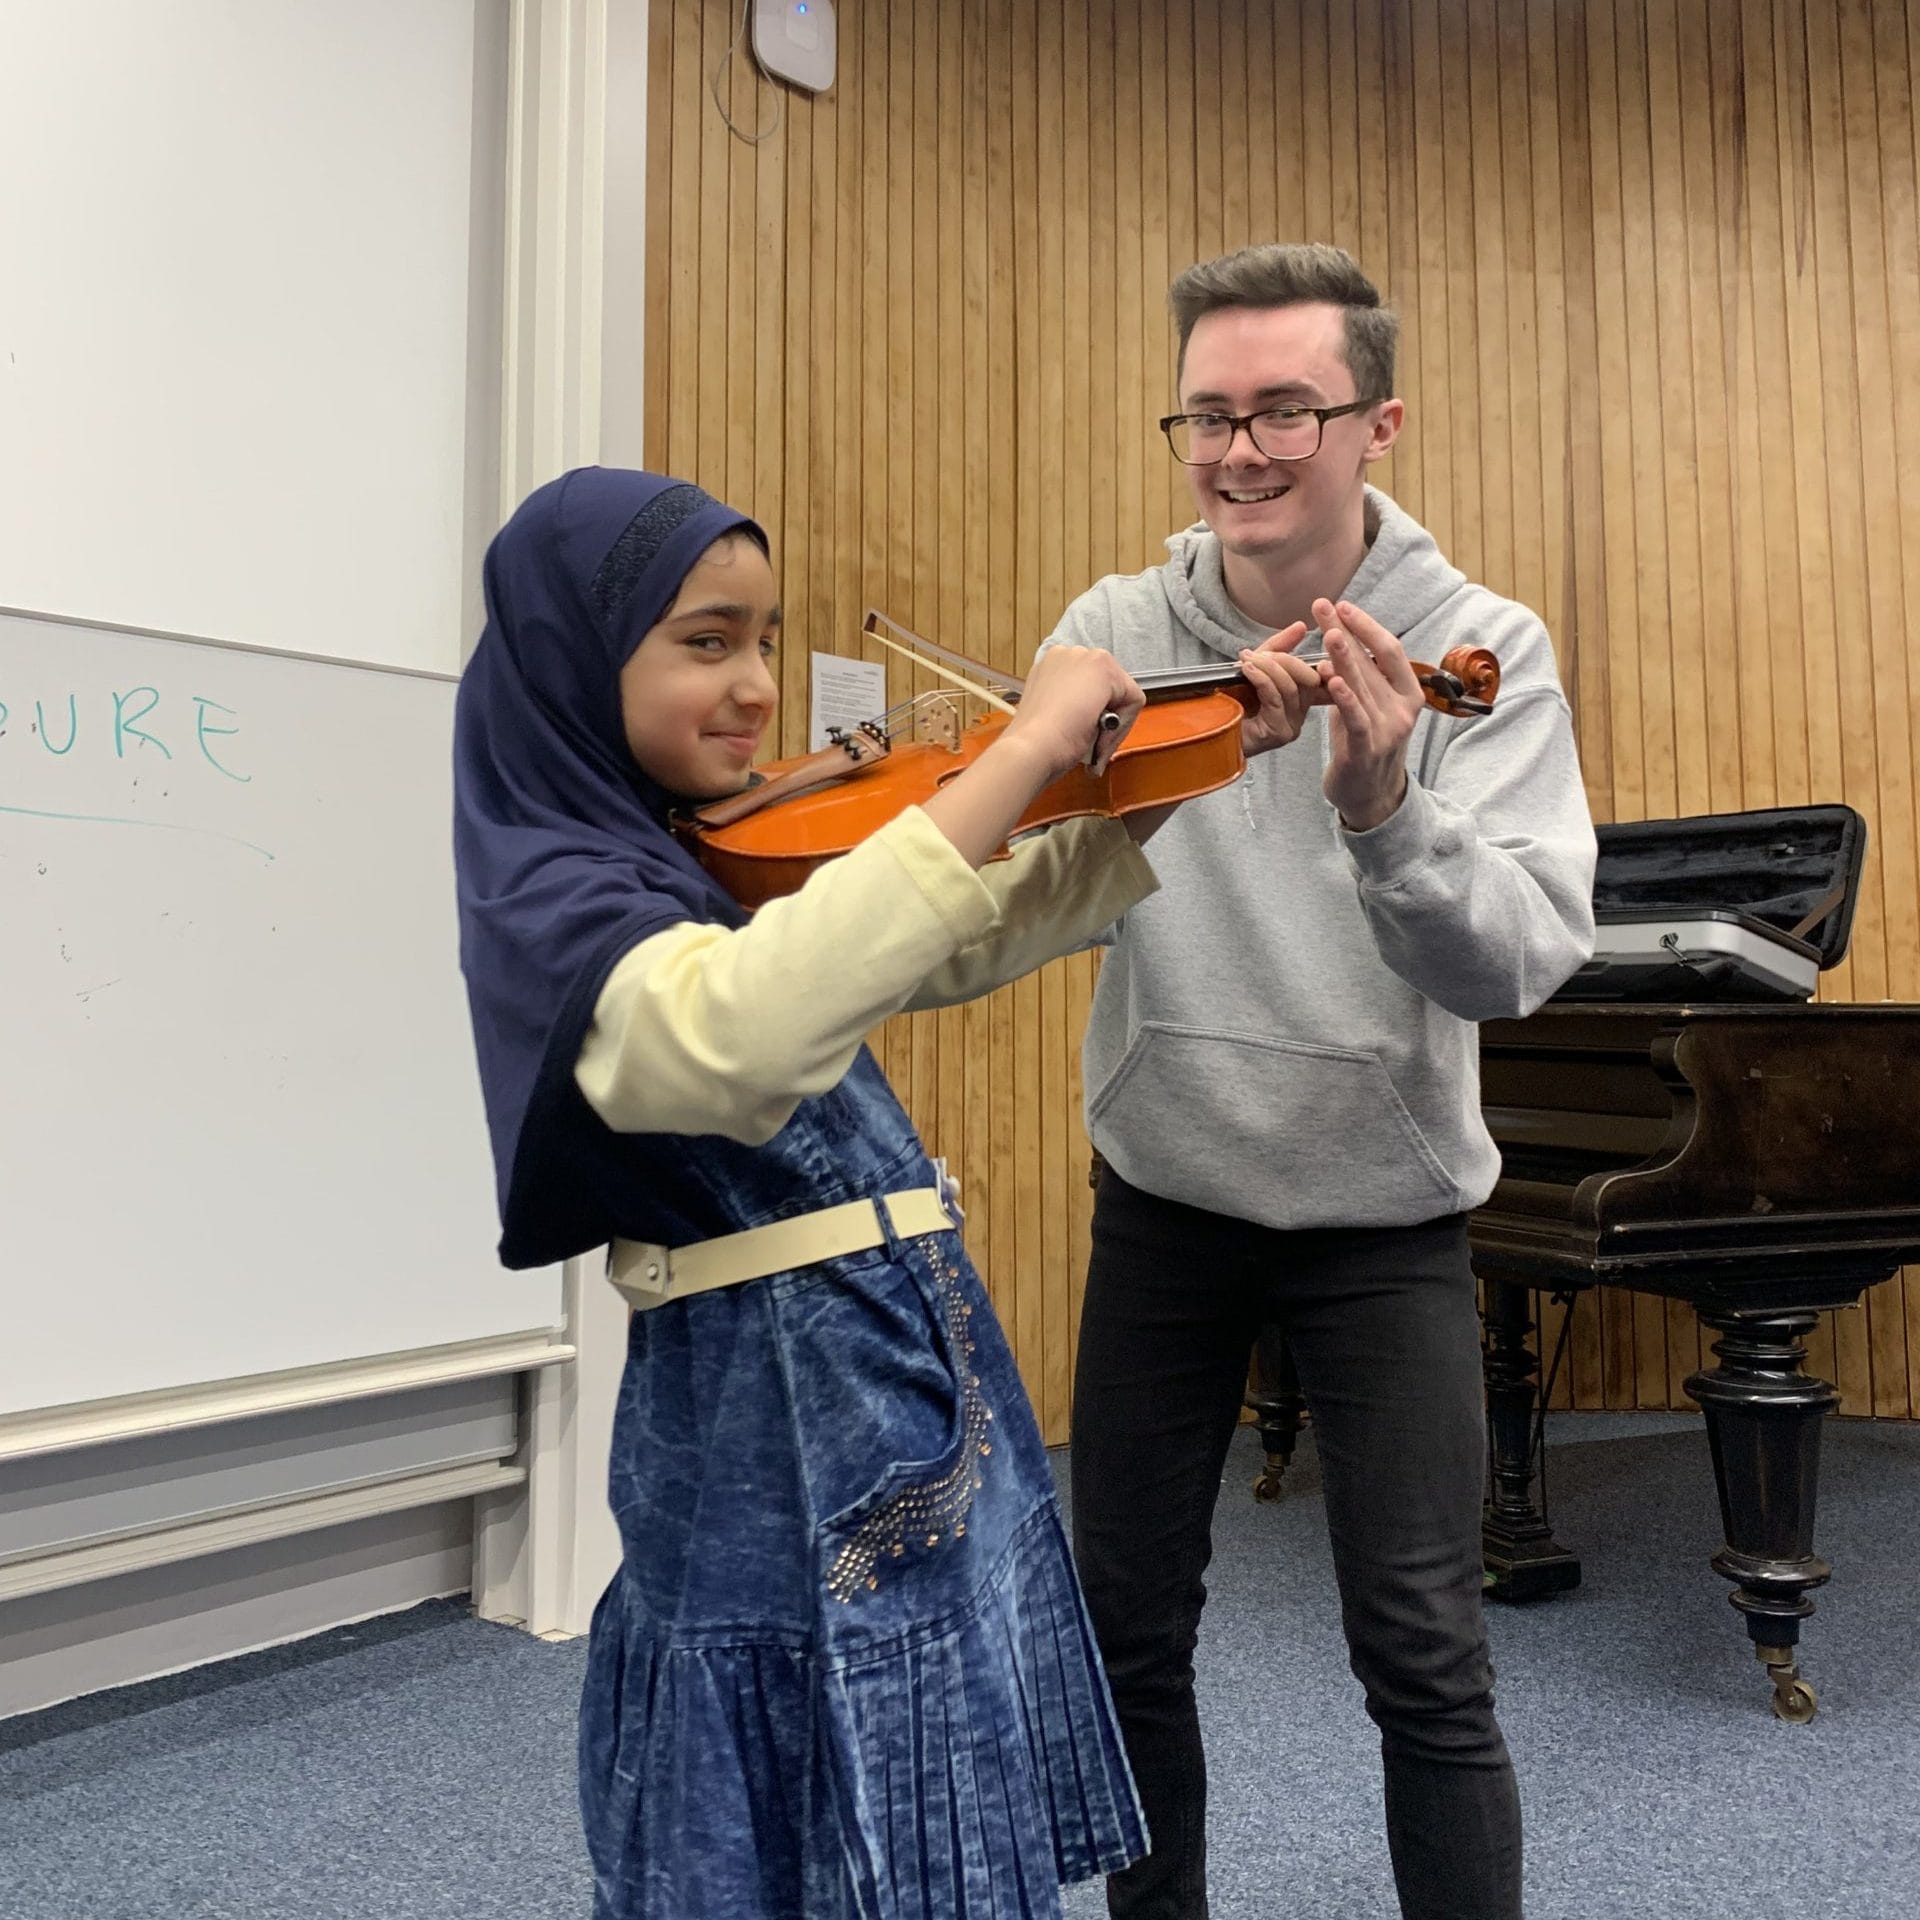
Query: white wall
{"x": 234, "y": 318}
{"x": 296, "y": 298}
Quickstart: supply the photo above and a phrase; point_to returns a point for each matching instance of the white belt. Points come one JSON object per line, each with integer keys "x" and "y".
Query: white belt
{"x": 649, "y": 1276}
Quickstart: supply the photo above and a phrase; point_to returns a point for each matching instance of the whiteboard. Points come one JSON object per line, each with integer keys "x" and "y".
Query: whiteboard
{"x": 240, "y": 1123}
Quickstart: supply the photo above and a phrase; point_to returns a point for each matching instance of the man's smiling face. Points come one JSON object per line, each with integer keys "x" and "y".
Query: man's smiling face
{"x": 1240, "y": 360}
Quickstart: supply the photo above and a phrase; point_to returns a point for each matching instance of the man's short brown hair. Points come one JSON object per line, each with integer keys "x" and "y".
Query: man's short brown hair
{"x": 1296, "y": 276}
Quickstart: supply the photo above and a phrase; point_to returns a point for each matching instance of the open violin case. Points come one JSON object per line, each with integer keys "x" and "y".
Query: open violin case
{"x": 1722, "y": 906}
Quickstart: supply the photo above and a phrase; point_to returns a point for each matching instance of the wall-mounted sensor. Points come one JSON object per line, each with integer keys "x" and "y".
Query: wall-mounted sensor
{"x": 795, "y": 40}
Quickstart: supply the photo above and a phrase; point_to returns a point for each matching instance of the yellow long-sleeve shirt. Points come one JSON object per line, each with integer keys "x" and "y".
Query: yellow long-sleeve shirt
{"x": 704, "y": 1029}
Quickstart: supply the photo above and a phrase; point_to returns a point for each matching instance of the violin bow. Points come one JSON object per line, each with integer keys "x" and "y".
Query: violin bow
{"x": 945, "y": 673}
{"x": 925, "y": 653}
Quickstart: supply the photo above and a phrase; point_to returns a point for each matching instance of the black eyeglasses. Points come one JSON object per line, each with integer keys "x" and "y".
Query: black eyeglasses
{"x": 1281, "y": 433}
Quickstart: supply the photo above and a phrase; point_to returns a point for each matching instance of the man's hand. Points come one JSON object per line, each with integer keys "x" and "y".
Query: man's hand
{"x": 1287, "y": 688}
{"x": 1376, "y": 700}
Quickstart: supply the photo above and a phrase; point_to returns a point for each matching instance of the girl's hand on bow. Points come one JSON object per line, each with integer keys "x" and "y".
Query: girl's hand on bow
{"x": 1064, "y": 704}
{"x": 1056, "y": 726}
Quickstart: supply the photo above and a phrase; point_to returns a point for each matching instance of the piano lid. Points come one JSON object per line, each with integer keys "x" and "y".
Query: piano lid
{"x": 1678, "y": 1148}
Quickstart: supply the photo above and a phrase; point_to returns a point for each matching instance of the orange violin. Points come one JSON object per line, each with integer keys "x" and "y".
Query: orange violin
{"x": 802, "y": 812}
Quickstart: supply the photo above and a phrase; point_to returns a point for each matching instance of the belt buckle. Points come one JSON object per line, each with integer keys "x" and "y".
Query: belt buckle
{"x": 653, "y": 1272}
{"x": 949, "y": 1189}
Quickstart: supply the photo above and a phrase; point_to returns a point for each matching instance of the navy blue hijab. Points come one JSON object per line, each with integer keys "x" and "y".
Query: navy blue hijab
{"x": 561, "y": 845}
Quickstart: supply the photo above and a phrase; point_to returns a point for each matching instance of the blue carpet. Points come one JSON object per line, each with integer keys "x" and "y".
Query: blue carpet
{"x": 421, "y": 1766}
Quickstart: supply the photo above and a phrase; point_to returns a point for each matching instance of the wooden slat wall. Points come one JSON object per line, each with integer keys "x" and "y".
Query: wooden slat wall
{"x": 1659, "y": 265}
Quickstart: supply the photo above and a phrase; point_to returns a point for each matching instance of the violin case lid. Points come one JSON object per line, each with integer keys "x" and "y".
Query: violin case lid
{"x": 1722, "y": 906}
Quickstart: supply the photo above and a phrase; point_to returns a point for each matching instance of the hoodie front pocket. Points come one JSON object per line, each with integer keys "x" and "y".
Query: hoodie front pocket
{"x": 1278, "y": 1131}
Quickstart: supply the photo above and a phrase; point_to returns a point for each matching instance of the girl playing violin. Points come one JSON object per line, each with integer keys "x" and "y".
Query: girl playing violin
{"x": 844, "y": 1668}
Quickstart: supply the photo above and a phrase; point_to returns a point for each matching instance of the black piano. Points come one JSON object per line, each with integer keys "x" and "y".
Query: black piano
{"x": 1761, "y": 1164}
{"x": 1756, "y": 1158}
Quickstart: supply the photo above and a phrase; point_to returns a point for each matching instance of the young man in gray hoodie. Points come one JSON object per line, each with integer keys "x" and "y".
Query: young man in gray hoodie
{"x": 1282, "y": 1072}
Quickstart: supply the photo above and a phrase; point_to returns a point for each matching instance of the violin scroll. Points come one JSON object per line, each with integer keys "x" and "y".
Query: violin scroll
{"x": 1465, "y": 682}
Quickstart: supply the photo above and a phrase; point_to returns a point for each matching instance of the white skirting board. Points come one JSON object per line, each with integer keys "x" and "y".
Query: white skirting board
{"x": 137, "y": 1538}
{"x": 138, "y": 1626}
{"x": 248, "y": 1526}
{"x": 95, "y": 1423}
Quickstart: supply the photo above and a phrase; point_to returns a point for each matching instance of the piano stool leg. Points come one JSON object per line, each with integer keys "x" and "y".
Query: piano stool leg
{"x": 1764, "y": 1418}
{"x": 1279, "y": 1407}
{"x": 1523, "y": 1559}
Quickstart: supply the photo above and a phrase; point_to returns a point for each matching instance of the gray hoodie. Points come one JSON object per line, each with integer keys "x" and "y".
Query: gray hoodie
{"x": 1285, "y": 1031}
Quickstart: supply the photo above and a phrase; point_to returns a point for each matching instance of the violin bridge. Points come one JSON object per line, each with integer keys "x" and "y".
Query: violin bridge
{"x": 936, "y": 721}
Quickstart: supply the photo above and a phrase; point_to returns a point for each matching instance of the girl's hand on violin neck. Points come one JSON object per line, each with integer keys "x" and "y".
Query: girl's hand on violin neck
{"x": 1066, "y": 698}
{"x": 1287, "y": 688}
{"x": 1376, "y": 699}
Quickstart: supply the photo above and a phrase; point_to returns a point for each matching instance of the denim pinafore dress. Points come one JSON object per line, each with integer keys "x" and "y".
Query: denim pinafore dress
{"x": 844, "y": 1671}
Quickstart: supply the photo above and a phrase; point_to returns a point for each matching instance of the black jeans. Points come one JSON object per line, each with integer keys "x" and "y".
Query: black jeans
{"x": 1384, "y": 1332}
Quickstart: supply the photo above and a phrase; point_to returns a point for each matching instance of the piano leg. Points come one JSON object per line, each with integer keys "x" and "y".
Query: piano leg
{"x": 1524, "y": 1561}
{"x": 1280, "y": 1408}
{"x": 1764, "y": 1416}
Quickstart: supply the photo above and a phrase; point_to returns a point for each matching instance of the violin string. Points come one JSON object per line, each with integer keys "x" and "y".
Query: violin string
{"x": 902, "y": 714}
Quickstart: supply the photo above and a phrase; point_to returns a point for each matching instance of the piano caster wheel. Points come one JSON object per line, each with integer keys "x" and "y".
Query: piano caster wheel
{"x": 1267, "y": 1485}
{"x": 1793, "y": 1700}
